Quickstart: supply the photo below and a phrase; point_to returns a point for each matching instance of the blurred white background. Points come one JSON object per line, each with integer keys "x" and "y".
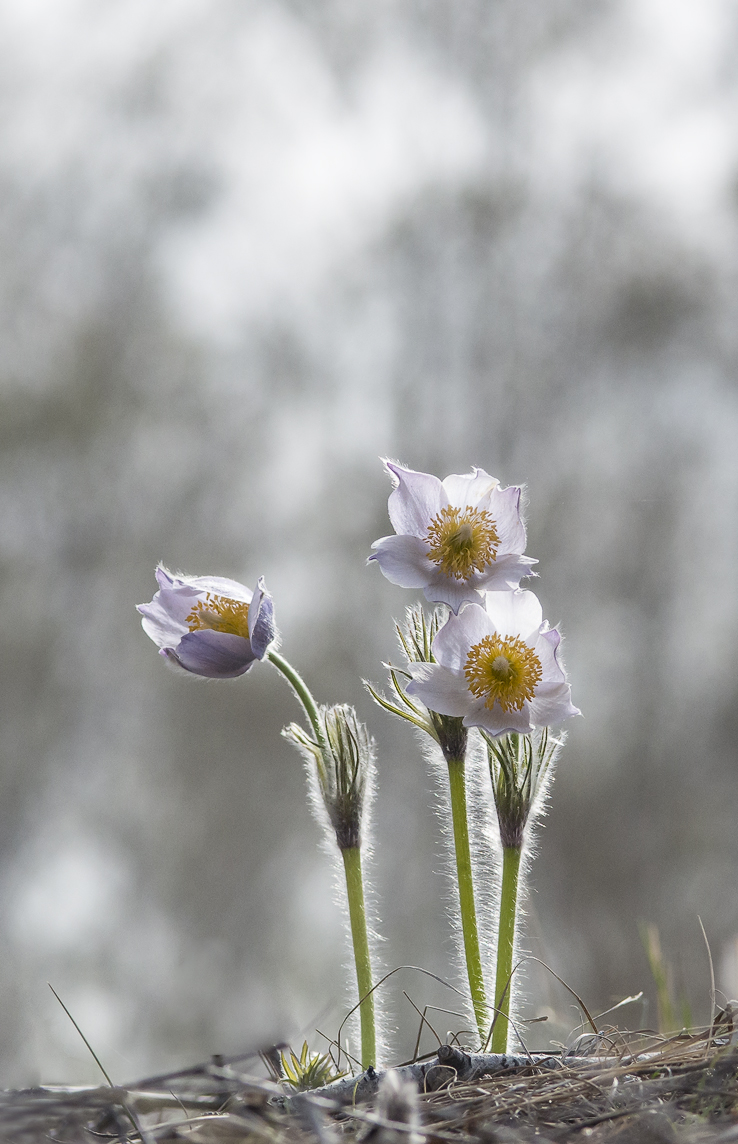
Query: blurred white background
{"x": 248, "y": 247}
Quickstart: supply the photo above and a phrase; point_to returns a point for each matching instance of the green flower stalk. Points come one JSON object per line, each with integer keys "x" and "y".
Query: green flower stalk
{"x": 497, "y": 668}
{"x": 301, "y": 690}
{"x": 416, "y": 638}
{"x": 519, "y": 767}
{"x": 341, "y": 757}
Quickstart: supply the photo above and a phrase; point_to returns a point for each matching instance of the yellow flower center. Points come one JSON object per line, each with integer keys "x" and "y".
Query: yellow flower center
{"x": 462, "y": 541}
{"x": 219, "y": 614}
{"x": 505, "y": 671}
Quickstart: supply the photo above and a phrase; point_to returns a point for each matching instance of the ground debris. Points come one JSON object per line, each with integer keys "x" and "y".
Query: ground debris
{"x": 634, "y": 1089}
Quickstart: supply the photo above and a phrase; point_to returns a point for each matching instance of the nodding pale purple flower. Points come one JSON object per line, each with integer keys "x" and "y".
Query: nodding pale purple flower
{"x": 496, "y": 666}
{"x": 208, "y": 625}
{"x": 455, "y": 538}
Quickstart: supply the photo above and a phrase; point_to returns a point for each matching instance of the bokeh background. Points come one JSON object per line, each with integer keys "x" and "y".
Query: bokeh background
{"x": 246, "y": 249}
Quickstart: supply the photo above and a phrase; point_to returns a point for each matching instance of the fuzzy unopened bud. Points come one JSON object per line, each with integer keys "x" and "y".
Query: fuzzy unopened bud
{"x": 416, "y": 637}
{"x": 518, "y": 766}
{"x": 343, "y": 762}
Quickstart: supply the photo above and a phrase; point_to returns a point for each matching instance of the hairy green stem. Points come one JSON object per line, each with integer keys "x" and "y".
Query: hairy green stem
{"x": 301, "y": 691}
{"x": 362, "y": 957}
{"x": 352, "y": 867}
{"x": 457, "y": 783}
{"x": 505, "y": 946}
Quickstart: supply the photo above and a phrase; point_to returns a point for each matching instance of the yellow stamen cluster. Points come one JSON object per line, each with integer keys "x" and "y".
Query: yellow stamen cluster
{"x": 462, "y": 541}
{"x": 505, "y": 671}
{"x": 220, "y": 614}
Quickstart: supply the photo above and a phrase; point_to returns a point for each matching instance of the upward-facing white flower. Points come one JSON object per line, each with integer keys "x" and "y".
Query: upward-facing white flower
{"x": 455, "y": 538}
{"x": 497, "y": 667}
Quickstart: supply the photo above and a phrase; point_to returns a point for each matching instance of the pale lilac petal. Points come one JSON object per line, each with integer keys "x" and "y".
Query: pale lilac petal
{"x": 499, "y": 722}
{"x": 172, "y": 662}
{"x": 161, "y": 628}
{"x": 164, "y": 618}
{"x": 552, "y": 704}
{"x": 471, "y": 490}
{"x": 403, "y": 560}
{"x": 416, "y": 500}
{"x": 440, "y": 689}
{"x": 262, "y": 629}
{"x": 216, "y": 585}
{"x": 221, "y": 586}
{"x": 458, "y": 636}
{"x": 545, "y": 646}
{"x": 444, "y": 590}
{"x": 504, "y": 506}
{"x": 503, "y": 574}
{"x": 514, "y": 613}
{"x": 217, "y": 655}
{"x": 164, "y": 578}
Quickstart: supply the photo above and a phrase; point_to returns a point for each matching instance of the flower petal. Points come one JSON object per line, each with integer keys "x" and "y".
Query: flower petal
{"x": 514, "y": 613}
{"x": 416, "y": 500}
{"x": 552, "y": 704}
{"x": 403, "y": 560}
{"x": 220, "y": 586}
{"x": 164, "y": 578}
{"x": 503, "y": 574}
{"x": 443, "y": 590}
{"x": 440, "y": 689}
{"x": 470, "y": 489}
{"x": 546, "y": 646}
{"x": 217, "y": 655}
{"x": 458, "y": 635}
{"x": 499, "y": 722}
{"x": 262, "y": 628}
{"x": 164, "y": 618}
{"x": 505, "y": 508}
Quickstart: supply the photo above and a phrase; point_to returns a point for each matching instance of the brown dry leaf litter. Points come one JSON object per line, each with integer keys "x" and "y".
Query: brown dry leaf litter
{"x": 635, "y": 1090}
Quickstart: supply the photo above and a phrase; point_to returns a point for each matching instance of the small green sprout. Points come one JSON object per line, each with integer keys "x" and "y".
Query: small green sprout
{"x": 309, "y": 1070}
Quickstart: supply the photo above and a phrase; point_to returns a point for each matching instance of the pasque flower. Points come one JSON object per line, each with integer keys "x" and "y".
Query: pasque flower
{"x": 496, "y": 667}
{"x": 209, "y": 625}
{"x": 215, "y": 627}
{"x": 454, "y": 538}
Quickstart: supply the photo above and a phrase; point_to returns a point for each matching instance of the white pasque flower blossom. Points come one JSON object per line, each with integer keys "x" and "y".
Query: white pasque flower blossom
{"x": 454, "y": 538}
{"x": 209, "y": 625}
{"x": 497, "y": 667}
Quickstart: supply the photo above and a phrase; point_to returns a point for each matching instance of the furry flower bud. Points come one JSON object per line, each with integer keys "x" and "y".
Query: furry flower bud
{"x": 343, "y": 763}
{"x": 519, "y": 766}
{"x": 416, "y": 638}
